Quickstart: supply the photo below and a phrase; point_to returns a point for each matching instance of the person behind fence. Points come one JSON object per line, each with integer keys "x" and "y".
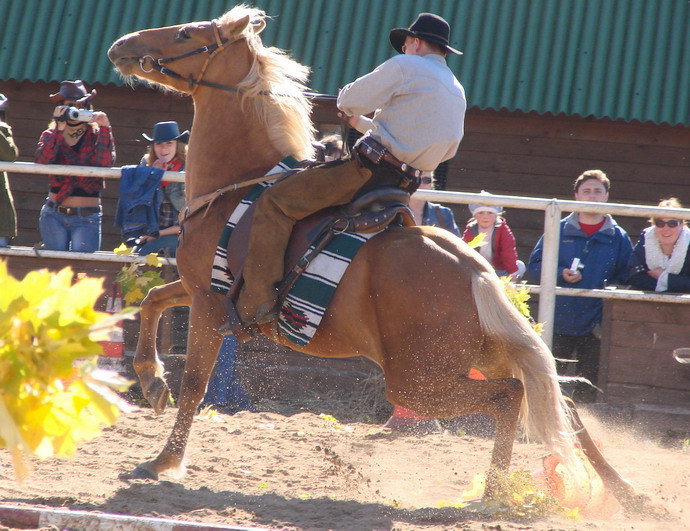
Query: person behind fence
{"x": 70, "y": 219}
{"x": 428, "y": 213}
{"x": 499, "y": 242}
{"x": 167, "y": 151}
{"x": 9, "y": 153}
{"x": 593, "y": 252}
{"x": 660, "y": 260}
{"x": 418, "y": 122}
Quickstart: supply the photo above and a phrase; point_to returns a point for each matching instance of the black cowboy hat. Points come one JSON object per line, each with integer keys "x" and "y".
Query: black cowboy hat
{"x": 73, "y": 91}
{"x": 165, "y": 132}
{"x": 428, "y": 27}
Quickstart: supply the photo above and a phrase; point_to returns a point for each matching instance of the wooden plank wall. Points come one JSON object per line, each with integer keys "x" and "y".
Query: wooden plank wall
{"x": 637, "y": 364}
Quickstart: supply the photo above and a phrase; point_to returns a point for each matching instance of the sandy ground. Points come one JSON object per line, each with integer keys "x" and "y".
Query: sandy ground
{"x": 286, "y": 468}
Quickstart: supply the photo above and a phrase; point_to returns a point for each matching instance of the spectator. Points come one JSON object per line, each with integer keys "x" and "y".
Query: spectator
{"x": 660, "y": 260}
{"x": 428, "y": 213}
{"x": 499, "y": 249}
{"x": 168, "y": 152}
{"x": 70, "y": 220}
{"x": 225, "y": 392}
{"x": 8, "y": 152}
{"x": 602, "y": 249}
{"x": 333, "y": 147}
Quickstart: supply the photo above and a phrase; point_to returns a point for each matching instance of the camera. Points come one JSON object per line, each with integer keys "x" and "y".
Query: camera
{"x": 73, "y": 114}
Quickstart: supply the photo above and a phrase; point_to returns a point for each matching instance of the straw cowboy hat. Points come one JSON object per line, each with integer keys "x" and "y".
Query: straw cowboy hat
{"x": 428, "y": 27}
{"x": 165, "y": 132}
{"x": 73, "y": 91}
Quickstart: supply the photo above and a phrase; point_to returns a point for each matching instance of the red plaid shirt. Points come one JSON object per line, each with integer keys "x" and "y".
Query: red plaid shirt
{"x": 96, "y": 148}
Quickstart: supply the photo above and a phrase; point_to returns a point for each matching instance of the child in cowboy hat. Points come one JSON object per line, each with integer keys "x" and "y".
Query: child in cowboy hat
{"x": 500, "y": 243}
{"x": 167, "y": 151}
{"x": 70, "y": 220}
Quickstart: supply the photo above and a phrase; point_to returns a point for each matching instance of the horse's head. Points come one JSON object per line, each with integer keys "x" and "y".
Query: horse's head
{"x": 184, "y": 57}
{"x": 226, "y": 55}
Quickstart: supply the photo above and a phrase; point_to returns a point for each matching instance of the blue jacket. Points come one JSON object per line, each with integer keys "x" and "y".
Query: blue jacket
{"x": 604, "y": 256}
{"x": 439, "y": 216}
{"x": 140, "y": 200}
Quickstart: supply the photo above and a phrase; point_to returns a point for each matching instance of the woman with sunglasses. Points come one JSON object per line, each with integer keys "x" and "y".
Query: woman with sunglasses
{"x": 660, "y": 260}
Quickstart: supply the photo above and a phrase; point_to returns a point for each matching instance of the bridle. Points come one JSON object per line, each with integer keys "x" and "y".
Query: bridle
{"x": 212, "y": 50}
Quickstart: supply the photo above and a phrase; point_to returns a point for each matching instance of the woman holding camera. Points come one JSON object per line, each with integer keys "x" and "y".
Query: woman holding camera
{"x": 70, "y": 220}
{"x": 660, "y": 260}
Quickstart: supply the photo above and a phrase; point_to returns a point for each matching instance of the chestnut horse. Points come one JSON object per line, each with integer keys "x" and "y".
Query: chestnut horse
{"x": 417, "y": 300}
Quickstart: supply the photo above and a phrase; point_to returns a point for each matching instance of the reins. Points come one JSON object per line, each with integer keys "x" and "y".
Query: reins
{"x": 197, "y": 203}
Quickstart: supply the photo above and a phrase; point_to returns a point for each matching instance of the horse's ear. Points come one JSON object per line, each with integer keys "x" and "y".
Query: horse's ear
{"x": 238, "y": 26}
{"x": 259, "y": 26}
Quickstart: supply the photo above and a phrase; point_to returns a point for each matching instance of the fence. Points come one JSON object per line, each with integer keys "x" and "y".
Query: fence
{"x": 553, "y": 209}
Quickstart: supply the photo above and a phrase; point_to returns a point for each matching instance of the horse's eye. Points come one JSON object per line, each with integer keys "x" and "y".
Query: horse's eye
{"x": 183, "y": 34}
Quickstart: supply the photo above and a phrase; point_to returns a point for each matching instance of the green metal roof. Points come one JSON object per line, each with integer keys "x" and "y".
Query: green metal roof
{"x": 621, "y": 59}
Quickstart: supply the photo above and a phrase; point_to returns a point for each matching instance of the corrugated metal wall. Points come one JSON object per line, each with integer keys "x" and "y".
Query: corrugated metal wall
{"x": 627, "y": 59}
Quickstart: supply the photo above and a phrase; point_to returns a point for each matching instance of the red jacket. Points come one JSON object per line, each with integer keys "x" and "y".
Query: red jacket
{"x": 503, "y": 244}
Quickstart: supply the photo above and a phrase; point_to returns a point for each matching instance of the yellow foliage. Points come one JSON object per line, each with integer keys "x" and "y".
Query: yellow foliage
{"x": 52, "y": 396}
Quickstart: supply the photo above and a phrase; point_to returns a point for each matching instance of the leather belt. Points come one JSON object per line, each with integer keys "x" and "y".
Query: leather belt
{"x": 72, "y": 211}
{"x": 377, "y": 153}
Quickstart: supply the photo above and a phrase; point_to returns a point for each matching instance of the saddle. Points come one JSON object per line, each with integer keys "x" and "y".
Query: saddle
{"x": 372, "y": 212}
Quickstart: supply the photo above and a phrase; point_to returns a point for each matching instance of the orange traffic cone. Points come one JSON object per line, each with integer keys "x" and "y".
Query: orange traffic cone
{"x": 114, "y": 348}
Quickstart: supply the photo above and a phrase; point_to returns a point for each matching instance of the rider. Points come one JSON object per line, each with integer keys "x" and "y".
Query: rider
{"x": 418, "y": 122}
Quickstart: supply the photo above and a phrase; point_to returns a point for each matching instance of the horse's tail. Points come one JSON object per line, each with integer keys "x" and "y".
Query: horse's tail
{"x": 544, "y": 414}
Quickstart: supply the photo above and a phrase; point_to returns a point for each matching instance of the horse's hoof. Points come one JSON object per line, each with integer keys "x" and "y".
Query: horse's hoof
{"x": 158, "y": 395}
{"x": 140, "y": 472}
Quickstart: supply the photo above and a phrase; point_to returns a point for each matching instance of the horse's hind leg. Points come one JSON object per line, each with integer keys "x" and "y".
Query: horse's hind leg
{"x": 147, "y": 365}
{"x": 501, "y": 398}
{"x": 618, "y": 486}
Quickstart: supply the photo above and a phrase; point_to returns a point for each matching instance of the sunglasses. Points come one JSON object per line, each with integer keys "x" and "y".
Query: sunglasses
{"x": 672, "y": 223}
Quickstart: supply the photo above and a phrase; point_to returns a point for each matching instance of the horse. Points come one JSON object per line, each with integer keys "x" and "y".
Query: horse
{"x": 417, "y": 301}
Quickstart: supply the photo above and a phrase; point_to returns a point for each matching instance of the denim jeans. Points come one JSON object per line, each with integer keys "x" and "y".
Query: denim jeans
{"x": 167, "y": 242}
{"x": 224, "y": 388}
{"x": 61, "y": 232}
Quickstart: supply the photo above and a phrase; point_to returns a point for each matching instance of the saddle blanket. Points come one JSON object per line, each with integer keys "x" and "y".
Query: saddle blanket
{"x": 307, "y": 301}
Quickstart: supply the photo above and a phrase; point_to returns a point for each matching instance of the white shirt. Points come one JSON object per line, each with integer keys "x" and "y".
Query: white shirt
{"x": 419, "y": 108}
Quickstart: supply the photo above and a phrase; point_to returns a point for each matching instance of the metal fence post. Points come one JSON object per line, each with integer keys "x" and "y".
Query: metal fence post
{"x": 549, "y": 269}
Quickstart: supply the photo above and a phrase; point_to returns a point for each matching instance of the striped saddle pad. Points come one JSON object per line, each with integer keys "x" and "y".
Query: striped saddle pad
{"x": 307, "y": 301}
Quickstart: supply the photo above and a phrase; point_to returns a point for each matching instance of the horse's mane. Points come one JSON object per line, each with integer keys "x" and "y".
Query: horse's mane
{"x": 274, "y": 88}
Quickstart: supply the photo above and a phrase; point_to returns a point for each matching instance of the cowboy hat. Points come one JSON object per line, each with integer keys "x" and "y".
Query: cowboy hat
{"x": 165, "y": 132}
{"x": 428, "y": 27}
{"x": 73, "y": 91}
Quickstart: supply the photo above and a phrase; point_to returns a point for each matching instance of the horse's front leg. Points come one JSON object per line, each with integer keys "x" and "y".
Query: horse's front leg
{"x": 146, "y": 363}
{"x": 202, "y": 348}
